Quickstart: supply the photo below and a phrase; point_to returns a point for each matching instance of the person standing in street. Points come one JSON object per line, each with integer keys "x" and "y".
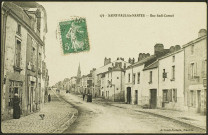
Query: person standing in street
{"x": 16, "y": 106}
{"x": 49, "y": 97}
{"x": 83, "y": 96}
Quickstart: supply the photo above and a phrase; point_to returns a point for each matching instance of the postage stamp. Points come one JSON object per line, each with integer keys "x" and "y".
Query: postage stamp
{"x": 74, "y": 35}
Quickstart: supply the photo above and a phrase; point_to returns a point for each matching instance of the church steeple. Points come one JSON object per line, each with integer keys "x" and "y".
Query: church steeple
{"x": 79, "y": 72}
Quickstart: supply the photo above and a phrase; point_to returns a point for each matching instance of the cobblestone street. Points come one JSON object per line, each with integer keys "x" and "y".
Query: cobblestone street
{"x": 57, "y": 114}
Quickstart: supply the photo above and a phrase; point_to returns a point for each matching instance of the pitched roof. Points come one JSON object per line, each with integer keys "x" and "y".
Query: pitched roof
{"x": 152, "y": 66}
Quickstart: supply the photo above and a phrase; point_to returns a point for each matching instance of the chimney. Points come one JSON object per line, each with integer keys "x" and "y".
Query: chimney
{"x": 133, "y": 61}
{"x": 172, "y": 49}
{"x": 158, "y": 48}
{"x": 148, "y": 54}
{"x": 202, "y": 32}
{"x": 140, "y": 57}
{"x": 107, "y": 61}
{"x": 177, "y": 47}
{"x": 129, "y": 60}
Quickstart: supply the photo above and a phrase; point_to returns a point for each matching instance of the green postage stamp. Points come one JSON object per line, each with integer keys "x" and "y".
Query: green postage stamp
{"x": 74, "y": 36}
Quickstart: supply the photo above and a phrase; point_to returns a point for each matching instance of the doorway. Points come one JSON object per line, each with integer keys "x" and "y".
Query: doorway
{"x": 199, "y": 101}
{"x": 136, "y": 97}
{"x": 153, "y": 98}
{"x": 128, "y": 95}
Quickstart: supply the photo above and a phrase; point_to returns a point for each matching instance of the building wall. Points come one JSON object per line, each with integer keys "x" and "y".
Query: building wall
{"x": 10, "y": 73}
{"x": 17, "y": 77}
{"x": 116, "y": 91}
{"x": 147, "y": 86}
{"x": 196, "y": 84}
{"x": 137, "y": 86}
{"x": 169, "y": 83}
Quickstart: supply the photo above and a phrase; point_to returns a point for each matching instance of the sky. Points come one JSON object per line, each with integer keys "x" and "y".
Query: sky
{"x": 114, "y": 37}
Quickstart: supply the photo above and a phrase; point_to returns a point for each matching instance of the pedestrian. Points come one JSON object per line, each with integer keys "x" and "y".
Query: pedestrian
{"x": 49, "y": 97}
{"x": 16, "y": 106}
{"x": 83, "y": 96}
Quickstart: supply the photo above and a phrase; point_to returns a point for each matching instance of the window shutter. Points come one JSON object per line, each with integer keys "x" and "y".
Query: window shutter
{"x": 194, "y": 98}
{"x": 188, "y": 98}
{"x": 170, "y": 91}
{"x": 189, "y": 72}
{"x": 175, "y": 95}
{"x": 195, "y": 70}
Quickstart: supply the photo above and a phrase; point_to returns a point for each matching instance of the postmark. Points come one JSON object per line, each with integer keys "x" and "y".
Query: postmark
{"x": 74, "y": 35}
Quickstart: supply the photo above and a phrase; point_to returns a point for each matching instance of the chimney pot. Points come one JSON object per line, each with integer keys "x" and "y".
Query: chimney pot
{"x": 202, "y": 32}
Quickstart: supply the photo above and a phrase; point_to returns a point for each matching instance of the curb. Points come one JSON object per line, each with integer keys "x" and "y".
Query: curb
{"x": 169, "y": 118}
{"x": 66, "y": 124}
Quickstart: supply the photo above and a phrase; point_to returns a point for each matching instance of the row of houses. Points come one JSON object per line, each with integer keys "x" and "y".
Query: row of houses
{"x": 173, "y": 78}
{"x": 23, "y": 66}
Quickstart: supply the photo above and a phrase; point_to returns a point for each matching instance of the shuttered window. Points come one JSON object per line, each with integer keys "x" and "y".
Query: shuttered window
{"x": 175, "y": 95}
{"x": 18, "y": 53}
{"x": 165, "y": 95}
{"x": 170, "y": 95}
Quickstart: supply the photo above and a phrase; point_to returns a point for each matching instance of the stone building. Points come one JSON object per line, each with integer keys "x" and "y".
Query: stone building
{"x": 114, "y": 83}
{"x": 171, "y": 80}
{"x": 195, "y": 53}
{"x": 24, "y": 28}
{"x": 100, "y": 80}
{"x": 141, "y": 78}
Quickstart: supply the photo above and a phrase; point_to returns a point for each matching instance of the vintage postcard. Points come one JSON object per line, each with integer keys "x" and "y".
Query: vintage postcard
{"x": 103, "y": 67}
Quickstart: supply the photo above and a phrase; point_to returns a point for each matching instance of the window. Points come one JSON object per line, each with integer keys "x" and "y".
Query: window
{"x": 204, "y": 68}
{"x": 15, "y": 87}
{"x": 173, "y": 58}
{"x": 129, "y": 77}
{"x": 192, "y": 98}
{"x": 18, "y": 29}
{"x": 173, "y": 73}
{"x": 164, "y": 74}
{"x": 175, "y": 95}
{"x": 117, "y": 77}
{"x": 192, "y": 72}
{"x": 192, "y": 49}
{"x": 138, "y": 78}
{"x": 39, "y": 60}
{"x": 18, "y": 53}
{"x": 150, "y": 79}
{"x": 165, "y": 95}
{"x": 134, "y": 77}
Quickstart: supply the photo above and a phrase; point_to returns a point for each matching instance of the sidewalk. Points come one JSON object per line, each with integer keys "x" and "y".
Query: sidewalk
{"x": 58, "y": 116}
{"x": 195, "y": 120}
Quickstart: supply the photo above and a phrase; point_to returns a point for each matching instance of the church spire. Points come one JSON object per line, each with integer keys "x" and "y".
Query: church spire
{"x": 79, "y": 72}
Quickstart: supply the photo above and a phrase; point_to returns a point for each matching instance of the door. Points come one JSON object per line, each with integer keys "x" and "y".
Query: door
{"x": 153, "y": 98}
{"x": 136, "y": 97}
{"x": 199, "y": 101}
{"x": 128, "y": 95}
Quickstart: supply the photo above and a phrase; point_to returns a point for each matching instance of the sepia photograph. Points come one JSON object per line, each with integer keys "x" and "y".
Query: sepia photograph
{"x": 103, "y": 67}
